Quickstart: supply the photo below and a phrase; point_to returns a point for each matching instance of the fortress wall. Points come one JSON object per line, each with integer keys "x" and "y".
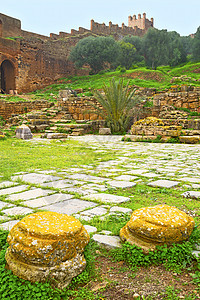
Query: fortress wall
{"x": 10, "y": 27}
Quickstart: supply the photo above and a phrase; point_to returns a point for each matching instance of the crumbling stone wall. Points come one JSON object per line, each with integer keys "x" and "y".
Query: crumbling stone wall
{"x": 7, "y": 109}
{"x": 179, "y": 99}
{"x": 80, "y": 108}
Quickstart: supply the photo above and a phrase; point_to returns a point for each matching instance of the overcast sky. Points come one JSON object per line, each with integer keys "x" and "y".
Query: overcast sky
{"x": 46, "y": 16}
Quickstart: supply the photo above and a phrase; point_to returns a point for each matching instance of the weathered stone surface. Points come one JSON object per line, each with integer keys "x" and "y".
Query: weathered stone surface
{"x": 31, "y": 194}
{"x": 17, "y": 210}
{"x": 192, "y": 194}
{"x": 47, "y": 245}
{"x": 118, "y": 209}
{"x": 43, "y": 201}
{"x": 57, "y": 136}
{"x": 121, "y": 183}
{"x": 35, "y": 178}
{"x": 126, "y": 177}
{"x": 23, "y": 132}
{"x": 8, "y": 225}
{"x": 13, "y": 190}
{"x": 5, "y": 184}
{"x": 90, "y": 229}
{"x": 108, "y": 198}
{"x": 164, "y": 183}
{"x": 70, "y": 207}
{"x": 190, "y": 139}
{"x": 107, "y": 241}
{"x": 104, "y": 131}
{"x": 158, "y": 225}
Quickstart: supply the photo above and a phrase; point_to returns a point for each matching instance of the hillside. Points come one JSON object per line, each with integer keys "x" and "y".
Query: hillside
{"x": 160, "y": 79}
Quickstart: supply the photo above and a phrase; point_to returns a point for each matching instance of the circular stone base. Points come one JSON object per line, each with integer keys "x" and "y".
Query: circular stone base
{"x": 47, "y": 245}
{"x": 60, "y": 276}
{"x": 158, "y": 225}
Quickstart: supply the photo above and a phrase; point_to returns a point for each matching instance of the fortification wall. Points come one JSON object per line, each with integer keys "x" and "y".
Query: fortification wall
{"x": 7, "y": 109}
{"x": 9, "y": 26}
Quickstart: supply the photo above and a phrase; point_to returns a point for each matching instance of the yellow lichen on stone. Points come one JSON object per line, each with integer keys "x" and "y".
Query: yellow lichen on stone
{"x": 44, "y": 241}
{"x": 158, "y": 225}
{"x": 150, "y": 121}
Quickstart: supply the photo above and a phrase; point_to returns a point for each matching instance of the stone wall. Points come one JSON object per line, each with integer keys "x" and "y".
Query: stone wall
{"x": 179, "y": 99}
{"x": 7, "y": 109}
{"x": 79, "y": 107}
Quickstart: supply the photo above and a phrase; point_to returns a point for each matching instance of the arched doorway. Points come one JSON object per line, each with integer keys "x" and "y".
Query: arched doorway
{"x": 1, "y": 29}
{"x": 7, "y": 77}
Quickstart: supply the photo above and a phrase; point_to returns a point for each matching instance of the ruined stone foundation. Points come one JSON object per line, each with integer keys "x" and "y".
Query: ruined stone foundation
{"x": 47, "y": 245}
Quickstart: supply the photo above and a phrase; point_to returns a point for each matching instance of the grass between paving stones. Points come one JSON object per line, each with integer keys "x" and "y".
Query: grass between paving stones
{"x": 23, "y": 156}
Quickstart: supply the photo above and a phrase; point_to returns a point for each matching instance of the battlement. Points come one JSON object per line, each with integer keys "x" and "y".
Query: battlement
{"x": 142, "y": 23}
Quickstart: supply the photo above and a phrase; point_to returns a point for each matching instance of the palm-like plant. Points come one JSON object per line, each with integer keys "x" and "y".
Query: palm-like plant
{"x": 118, "y": 103}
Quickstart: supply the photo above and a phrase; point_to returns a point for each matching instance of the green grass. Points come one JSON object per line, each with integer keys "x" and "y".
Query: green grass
{"x": 18, "y": 156}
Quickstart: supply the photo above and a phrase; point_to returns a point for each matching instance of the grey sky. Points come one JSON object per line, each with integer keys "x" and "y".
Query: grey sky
{"x": 46, "y": 16}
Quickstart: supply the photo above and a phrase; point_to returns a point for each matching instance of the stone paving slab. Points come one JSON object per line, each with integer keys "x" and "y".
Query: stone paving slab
{"x": 190, "y": 179}
{"x": 137, "y": 171}
{"x": 121, "y": 184}
{"x": 80, "y": 190}
{"x": 47, "y": 200}
{"x": 150, "y": 175}
{"x": 70, "y": 207}
{"x": 126, "y": 177}
{"x": 59, "y": 184}
{"x": 9, "y": 225}
{"x": 107, "y": 241}
{"x": 31, "y": 194}
{"x": 13, "y": 190}
{"x": 88, "y": 178}
{"x": 96, "y": 211}
{"x": 108, "y": 198}
{"x": 5, "y": 184}
{"x": 4, "y": 204}
{"x": 35, "y": 178}
{"x": 192, "y": 194}
{"x": 164, "y": 183}
{"x": 17, "y": 210}
{"x": 90, "y": 229}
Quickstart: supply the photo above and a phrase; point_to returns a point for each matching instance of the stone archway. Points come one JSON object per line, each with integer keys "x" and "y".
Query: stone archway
{"x": 1, "y": 29}
{"x": 7, "y": 77}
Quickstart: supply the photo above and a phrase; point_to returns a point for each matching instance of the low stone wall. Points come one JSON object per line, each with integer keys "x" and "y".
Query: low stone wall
{"x": 7, "y": 109}
{"x": 79, "y": 107}
{"x": 182, "y": 99}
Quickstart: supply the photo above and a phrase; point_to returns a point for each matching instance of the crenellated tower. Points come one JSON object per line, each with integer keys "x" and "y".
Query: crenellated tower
{"x": 140, "y": 22}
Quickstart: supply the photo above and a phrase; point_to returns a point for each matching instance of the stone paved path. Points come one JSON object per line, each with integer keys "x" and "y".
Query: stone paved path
{"x": 157, "y": 165}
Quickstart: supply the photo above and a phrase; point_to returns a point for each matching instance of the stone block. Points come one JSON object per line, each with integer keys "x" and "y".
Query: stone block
{"x": 107, "y": 241}
{"x": 104, "y": 131}
{"x": 158, "y": 225}
{"x": 190, "y": 139}
{"x": 23, "y": 132}
{"x": 47, "y": 245}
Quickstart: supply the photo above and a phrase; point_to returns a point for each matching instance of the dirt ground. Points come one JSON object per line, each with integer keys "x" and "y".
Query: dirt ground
{"x": 116, "y": 281}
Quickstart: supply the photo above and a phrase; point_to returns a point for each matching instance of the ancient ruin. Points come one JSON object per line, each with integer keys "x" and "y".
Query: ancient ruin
{"x": 47, "y": 245}
{"x": 158, "y": 225}
{"x": 29, "y": 61}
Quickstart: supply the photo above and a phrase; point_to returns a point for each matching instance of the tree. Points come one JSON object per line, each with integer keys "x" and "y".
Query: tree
{"x": 163, "y": 48}
{"x": 137, "y": 42}
{"x": 196, "y": 46}
{"x": 96, "y": 52}
{"x": 127, "y": 54}
{"x": 117, "y": 103}
{"x": 155, "y": 48}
